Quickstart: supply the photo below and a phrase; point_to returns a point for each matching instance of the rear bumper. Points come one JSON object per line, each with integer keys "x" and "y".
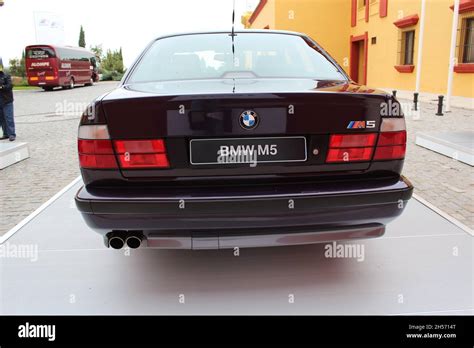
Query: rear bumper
{"x": 257, "y": 216}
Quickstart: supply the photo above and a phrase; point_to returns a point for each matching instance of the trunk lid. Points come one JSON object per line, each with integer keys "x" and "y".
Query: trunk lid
{"x": 183, "y": 111}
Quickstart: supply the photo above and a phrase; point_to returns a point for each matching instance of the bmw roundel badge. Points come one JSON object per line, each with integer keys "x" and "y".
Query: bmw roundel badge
{"x": 248, "y": 119}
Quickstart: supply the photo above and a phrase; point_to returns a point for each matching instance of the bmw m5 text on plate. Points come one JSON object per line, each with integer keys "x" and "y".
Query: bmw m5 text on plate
{"x": 257, "y": 138}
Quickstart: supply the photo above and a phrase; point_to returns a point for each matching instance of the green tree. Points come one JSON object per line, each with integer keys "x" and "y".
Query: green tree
{"x": 82, "y": 38}
{"x": 98, "y": 51}
{"x": 17, "y": 66}
{"x": 112, "y": 65}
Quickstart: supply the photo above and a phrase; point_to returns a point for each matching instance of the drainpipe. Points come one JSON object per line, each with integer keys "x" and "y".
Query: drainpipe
{"x": 452, "y": 53}
{"x": 420, "y": 46}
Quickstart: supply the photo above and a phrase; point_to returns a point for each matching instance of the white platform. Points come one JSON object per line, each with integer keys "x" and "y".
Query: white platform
{"x": 12, "y": 152}
{"x": 457, "y": 145}
{"x": 422, "y": 265}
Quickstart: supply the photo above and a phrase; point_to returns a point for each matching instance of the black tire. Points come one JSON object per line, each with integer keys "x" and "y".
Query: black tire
{"x": 91, "y": 83}
{"x": 71, "y": 84}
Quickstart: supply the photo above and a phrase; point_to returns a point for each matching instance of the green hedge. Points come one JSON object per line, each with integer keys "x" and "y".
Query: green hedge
{"x": 111, "y": 75}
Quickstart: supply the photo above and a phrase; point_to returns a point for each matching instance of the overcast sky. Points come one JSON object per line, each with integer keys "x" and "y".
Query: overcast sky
{"x": 115, "y": 23}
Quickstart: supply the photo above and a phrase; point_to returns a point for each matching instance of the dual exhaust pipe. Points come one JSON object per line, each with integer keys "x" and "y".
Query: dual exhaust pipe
{"x": 117, "y": 240}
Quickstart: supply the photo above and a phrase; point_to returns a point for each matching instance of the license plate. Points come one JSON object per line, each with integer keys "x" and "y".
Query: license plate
{"x": 247, "y": 150}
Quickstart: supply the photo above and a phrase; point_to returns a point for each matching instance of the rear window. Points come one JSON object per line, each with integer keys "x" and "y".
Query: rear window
{"x": 40, "y": 53}
{"x": 210, "y": 56}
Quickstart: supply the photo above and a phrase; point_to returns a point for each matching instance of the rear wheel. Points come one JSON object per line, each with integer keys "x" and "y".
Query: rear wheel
{"x": 71, "y": 84}
{"x": 91, "y": 82}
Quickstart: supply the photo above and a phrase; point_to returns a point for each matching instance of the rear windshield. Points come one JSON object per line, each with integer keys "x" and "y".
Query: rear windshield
{"x": 210, "y": 56}
{"x": 40, "y": 53}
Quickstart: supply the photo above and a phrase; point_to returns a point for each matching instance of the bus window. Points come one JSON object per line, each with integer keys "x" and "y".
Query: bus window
{"x": 40, "y": 53}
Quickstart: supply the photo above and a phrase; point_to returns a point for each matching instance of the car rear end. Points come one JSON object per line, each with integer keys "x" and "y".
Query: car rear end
{"x": 243, "y": 158}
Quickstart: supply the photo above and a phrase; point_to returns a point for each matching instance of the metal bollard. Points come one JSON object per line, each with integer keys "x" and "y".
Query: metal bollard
{"x": 415, "y": 100}
{"x": 440, "y": 106}
{"x": 394, "y": 93}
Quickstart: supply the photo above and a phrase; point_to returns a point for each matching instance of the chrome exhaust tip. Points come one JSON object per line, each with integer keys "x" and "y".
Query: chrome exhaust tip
{"x": 134, "y": 241}
{"x": 116, "y": 242}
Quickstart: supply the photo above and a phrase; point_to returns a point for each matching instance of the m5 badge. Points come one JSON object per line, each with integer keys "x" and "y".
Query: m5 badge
{"x": 361, "y": 124}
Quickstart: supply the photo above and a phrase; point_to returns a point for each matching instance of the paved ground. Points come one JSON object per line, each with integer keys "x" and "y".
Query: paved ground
{"x": 446, "y": 183}
{"x": 48, "y": 122}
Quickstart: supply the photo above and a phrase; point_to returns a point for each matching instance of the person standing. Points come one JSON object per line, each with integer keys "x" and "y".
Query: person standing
{"x": 6, "y": 105}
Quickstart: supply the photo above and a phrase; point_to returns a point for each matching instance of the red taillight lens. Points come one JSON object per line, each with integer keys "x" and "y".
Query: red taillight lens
{"x": 103, "y": 147}
{"x": 140, "y": 146}
{"x": 351, "y": 147}
{"x": 392, "y": 138}
{"x": 97, "y": 161}
{"x": 391, "y": 144}
{"x": 356, "y": 154}
{"x": 138, "y": 154}
{"x": 390, "y": 152}
{"x": 352, "y": 140}
{"x": 153, "y": 160}
{"x": 97, "y": 154}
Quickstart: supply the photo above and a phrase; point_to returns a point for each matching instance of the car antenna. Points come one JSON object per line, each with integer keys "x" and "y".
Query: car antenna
{"x": 233, "y": 35}
{"x": 233, "y": 31}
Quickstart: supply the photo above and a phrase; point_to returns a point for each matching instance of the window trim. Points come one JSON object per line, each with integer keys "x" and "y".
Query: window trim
{"x": 403, "y": 55}
{"x": 401, "y": 67}
{"x": 383, "y": 10}
{"x": 462, "y": 46}
{"x": 407, "y": 21}
{"x": 464, "y": 6}
{"x": 463, "y": 67}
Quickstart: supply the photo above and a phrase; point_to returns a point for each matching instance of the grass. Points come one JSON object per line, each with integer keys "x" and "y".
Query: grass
{"x": 23, "y": 88}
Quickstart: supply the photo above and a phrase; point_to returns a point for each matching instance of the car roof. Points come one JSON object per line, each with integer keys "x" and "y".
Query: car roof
{"x": 237, "y": 31}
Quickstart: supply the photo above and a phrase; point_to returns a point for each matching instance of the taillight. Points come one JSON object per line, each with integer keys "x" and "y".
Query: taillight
{"x": 351, "y": 147}
{"x": 354, "y": 154}
{"x": 99, "y": 131}
{"x": 95, "y": 148}
{"x": 392, "y": 140}
{"x": 137, "y": 154}
{"x": 96, "y": 151}
{"x": 391, "y": 144}
{"x": 352, "y": 140}
{"x": 140, "y": 146}
{"x": 390, "y": 152}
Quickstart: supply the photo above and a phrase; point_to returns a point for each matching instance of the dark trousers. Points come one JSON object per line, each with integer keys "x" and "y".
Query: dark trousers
{"x": 7, "y": 121}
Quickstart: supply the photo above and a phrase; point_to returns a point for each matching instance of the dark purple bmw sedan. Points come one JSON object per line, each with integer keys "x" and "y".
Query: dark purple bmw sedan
{"x": 244, "y": 139}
